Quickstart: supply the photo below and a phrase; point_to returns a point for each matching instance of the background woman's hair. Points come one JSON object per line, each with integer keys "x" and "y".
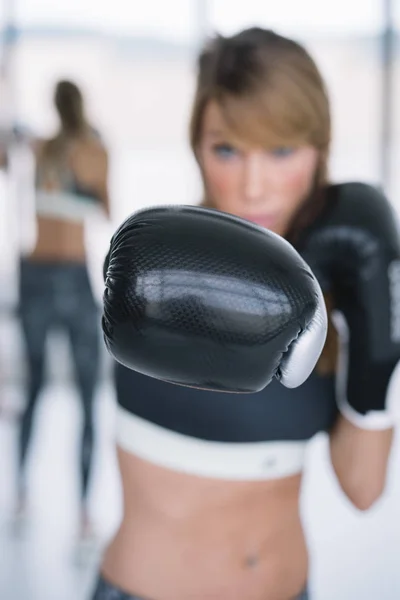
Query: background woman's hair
{"x": 271, "y": 94}
{"x": 69, "y": 103}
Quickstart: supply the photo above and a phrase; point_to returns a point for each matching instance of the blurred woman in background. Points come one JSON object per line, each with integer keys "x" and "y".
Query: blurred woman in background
{"x": 55, "y": 290}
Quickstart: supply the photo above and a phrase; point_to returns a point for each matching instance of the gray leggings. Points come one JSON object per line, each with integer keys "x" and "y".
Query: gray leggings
{"x": 59, "y": 295}
{"x": 107, "y": 591}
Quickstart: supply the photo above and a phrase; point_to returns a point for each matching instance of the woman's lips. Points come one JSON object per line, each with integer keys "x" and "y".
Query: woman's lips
{"x": 267, "y": 221}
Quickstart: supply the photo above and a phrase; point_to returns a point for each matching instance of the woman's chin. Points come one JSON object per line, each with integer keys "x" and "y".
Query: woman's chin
{"x": 267, "y": 221}
{"x": 269, "y": 224}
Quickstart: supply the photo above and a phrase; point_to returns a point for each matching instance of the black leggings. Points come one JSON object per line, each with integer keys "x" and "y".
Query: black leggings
{"x": 59, "y": 295}
{"x": 108, "y": 591}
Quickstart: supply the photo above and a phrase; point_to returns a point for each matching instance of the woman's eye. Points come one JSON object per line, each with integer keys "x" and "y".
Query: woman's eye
{"x": 282, "y": 151}
{"x": 224, "y": 150}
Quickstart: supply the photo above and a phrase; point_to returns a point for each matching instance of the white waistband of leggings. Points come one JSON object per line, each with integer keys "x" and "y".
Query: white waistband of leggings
{"x": 222, "y": 460}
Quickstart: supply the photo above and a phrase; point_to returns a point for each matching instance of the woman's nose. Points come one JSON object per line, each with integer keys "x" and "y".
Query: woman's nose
{"x": 254, "y": 177}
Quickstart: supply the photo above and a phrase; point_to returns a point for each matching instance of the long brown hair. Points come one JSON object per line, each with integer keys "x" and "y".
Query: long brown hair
{"x": 69, "y": 103}
{"x": 68, "y": 100}
{"x": 271, "y": 93}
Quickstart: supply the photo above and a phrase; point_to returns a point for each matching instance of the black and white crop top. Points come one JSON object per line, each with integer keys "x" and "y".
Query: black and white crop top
{"x": 228, "y": 436}
{"x": 59, "y": 194}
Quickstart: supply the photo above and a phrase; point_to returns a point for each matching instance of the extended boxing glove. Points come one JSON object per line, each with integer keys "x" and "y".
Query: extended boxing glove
{"x": 200, "y": 298}
{"x": 354, "y": 250}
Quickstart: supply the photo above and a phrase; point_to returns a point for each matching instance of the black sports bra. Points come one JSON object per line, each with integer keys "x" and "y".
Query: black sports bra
{"x": 227, "y": 436}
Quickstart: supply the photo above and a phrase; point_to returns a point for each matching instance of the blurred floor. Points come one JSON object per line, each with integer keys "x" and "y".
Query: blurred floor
{"x": 354, "y": 555}
{"x": 41, "y": 560}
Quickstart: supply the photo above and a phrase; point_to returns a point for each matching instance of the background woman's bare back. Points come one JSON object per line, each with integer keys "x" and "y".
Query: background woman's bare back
{"x": 59, "y": 239}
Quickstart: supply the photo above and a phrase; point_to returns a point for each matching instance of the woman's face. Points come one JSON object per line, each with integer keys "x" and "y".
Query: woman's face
{"x": 266, "y": 186}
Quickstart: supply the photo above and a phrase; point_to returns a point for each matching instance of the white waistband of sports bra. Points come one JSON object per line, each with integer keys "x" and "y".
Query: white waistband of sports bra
{"x": 222, "y": 460}
{"x": 65, "y": 205}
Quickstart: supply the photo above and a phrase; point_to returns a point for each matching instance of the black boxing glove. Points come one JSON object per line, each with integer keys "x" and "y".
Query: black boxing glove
{"x": 354, "y": 250}
{"x": 199, "y": 298}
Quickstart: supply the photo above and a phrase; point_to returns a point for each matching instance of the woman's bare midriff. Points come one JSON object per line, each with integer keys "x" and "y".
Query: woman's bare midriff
{"x": 192, "y": 538}
{"x": 59, "y": 241}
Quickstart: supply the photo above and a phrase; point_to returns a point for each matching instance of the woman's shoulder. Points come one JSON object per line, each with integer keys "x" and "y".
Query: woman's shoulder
{"x": 39, "y": 145}
{"x": 46, "y": 147}
{"x": 92, "y": 143}
{"x": 90, "y": 138}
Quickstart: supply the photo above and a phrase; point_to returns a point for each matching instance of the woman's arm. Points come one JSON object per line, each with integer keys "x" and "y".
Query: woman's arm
{"x": 103, "y": 181}
{"x": 360, "y": 459}
{"x": 355, "y": 250}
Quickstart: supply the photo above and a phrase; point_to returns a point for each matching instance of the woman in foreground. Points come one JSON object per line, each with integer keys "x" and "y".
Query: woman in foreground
{"x": 55, "y": 289}
{"x": 211, "y": 481}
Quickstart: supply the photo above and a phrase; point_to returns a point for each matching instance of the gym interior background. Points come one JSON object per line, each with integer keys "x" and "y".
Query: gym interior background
{"x": 135, "y": 63}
